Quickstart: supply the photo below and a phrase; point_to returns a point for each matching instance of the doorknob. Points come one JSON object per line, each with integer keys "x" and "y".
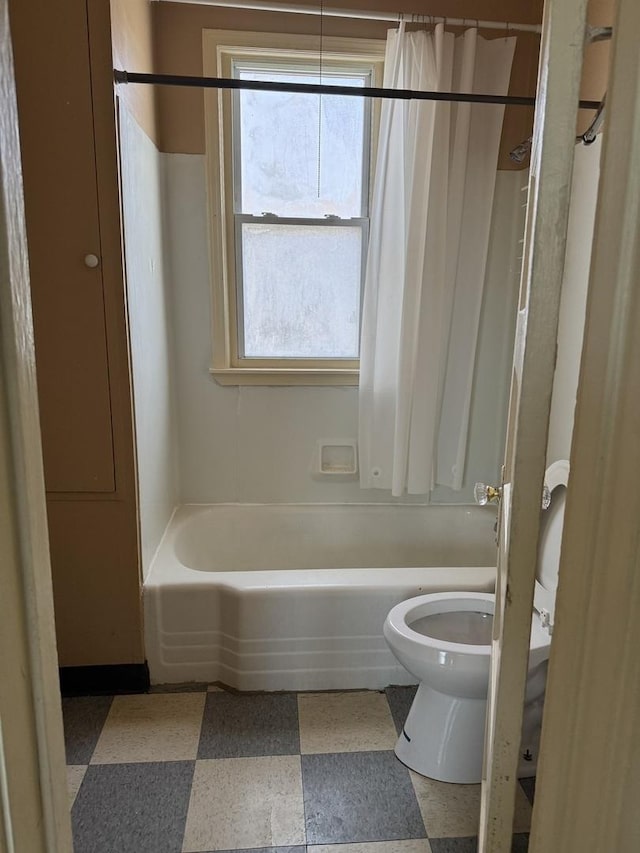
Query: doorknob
{"x": 91, "y": 261}
{"x": 484, "y": 494}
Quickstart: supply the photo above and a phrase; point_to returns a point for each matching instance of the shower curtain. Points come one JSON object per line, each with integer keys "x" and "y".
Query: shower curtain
{"x": 433, "y": 193}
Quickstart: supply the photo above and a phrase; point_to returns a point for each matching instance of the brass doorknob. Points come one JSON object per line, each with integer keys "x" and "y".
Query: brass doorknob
{"x": 484, "y": 494}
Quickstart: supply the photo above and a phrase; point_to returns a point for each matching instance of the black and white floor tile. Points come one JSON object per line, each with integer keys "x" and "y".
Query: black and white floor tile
{"x": 198, "y": 771}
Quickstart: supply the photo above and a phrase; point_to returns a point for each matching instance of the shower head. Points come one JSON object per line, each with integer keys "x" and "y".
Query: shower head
{"x": 522, "y": 151}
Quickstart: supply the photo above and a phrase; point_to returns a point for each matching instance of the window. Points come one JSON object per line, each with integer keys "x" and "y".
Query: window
{"x": 289, "y": 202}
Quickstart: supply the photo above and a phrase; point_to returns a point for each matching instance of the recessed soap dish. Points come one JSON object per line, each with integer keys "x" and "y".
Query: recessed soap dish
{"x": 336, "y": 458}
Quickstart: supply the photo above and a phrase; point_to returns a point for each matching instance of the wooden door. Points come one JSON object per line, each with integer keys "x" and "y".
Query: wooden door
{"x": 61, "y": 199}
{"x": 562, "y": 45}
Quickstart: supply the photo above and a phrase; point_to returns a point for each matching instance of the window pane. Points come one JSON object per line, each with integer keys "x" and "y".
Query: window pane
{"x": 301, "y": 290}
{"x": 279, "y": 135}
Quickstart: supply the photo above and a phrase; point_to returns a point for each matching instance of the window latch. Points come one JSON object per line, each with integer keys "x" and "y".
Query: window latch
{"x": 332, "y": 216}
{"x": 267, "y": 213}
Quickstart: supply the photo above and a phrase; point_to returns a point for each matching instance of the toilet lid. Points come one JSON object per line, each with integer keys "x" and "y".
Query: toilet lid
{"x": 555, "y": 478}
{"x": 544, "y": 598}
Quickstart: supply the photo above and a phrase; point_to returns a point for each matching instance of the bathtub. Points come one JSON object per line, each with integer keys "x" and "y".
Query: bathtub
{"x": 294, "y": 597}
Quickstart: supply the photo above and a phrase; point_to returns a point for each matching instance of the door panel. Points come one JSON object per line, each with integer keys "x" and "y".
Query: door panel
{"x": 534, "y": 364}
{"x": 62, "y": 221}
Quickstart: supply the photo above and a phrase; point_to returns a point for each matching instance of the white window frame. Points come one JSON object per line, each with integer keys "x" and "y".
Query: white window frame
{"x": 221, "y": 48}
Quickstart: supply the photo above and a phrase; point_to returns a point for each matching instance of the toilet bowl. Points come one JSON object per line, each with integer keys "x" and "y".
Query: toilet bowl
{"x": 444, "y": 641}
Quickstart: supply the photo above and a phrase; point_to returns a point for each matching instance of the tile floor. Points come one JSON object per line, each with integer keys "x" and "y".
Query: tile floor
{"x": 208, "y": 770}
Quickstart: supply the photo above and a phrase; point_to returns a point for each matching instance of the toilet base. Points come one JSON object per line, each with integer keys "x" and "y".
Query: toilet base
{"x": 443, "y": 736}
{"x": 457, "y": 756}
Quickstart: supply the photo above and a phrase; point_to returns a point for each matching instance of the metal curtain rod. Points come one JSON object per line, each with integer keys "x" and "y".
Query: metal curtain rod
{"x": 299, "y": 9}
{"x": 323, "y": 89}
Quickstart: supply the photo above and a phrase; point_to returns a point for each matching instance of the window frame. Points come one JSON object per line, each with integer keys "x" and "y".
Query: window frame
{"x": 221, "y": 49}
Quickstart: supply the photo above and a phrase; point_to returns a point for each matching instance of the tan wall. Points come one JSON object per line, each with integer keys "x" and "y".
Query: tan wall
{"x": 132, "y": 39}
{"x": 178, "y": 37}
{"x": 68, "y": 139}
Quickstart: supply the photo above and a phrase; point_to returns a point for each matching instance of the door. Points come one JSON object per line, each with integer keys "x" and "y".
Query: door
{"x": 564, "y": 28}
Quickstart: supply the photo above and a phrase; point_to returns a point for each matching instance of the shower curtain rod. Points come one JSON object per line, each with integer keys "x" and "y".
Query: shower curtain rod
{"x": 121, "y": 77}
{"x": 394, "y": 17}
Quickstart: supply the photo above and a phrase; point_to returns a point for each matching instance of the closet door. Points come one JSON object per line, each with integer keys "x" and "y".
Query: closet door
{"x": 61, "y": 201}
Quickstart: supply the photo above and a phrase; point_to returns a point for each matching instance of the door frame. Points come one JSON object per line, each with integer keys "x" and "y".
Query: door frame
{"x": 34, "y": 804}
{"x": 589, "y": 772}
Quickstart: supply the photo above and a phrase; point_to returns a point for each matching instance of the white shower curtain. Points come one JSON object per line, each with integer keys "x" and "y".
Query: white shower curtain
{"x": 432, "y": 198}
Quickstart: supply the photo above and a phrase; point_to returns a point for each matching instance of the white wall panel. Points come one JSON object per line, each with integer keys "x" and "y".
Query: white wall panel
{"x": 156, "y": 441}
{"x": 257, "y": 443}
{"x": 586, "y": 172}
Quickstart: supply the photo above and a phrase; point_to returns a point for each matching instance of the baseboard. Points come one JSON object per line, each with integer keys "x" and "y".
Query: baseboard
{"x": 104, "y": 680}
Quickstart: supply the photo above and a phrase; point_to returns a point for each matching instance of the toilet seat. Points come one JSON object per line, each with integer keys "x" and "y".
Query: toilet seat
{"x": 404, "y": 614}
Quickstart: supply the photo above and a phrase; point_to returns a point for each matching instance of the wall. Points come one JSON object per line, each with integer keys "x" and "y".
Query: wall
{"x": 133, "y": 50}
{"x": 178, "y": 39}
{"x": 257, "y": 444}
{"x": 156, "y": 439}
{"x": 578, "y": 256}
{"x": 584, "y": 190}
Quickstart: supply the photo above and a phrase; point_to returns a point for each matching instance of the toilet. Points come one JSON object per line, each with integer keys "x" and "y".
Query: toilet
{"x": 444, "y": 641}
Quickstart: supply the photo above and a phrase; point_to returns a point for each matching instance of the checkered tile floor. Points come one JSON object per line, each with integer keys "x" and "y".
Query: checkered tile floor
{"x": 208, "y": 770}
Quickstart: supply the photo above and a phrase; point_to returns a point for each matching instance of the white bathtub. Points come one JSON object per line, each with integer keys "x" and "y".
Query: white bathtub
{"x": 294, "y": 597}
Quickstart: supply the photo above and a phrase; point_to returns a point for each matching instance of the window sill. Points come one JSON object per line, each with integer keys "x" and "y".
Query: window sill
{"x": 285, "y": 376}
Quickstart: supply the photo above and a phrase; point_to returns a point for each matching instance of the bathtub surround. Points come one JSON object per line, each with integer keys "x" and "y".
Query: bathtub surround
{"x": 433, "y": 191}
{"x": 253, "y": 444}
{"x": 295, "y": 597}
{"x": 287, "y": 786}
{"x": 584, "y": 188}
{"x": 150, "y": 332}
